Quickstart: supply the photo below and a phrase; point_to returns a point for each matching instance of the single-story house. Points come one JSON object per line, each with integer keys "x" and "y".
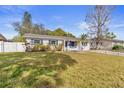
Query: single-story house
{"x": 70, "y": 43}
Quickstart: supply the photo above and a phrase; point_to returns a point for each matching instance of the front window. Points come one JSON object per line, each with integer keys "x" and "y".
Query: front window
{"x": 37, "y": 41}
{"x": 53, "y": 42}
{"x": 72, "y": 44}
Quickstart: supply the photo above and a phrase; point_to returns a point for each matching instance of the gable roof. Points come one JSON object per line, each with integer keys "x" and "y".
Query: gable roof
{"x": 2, "y": 38}
{"x": 37, "y": 36}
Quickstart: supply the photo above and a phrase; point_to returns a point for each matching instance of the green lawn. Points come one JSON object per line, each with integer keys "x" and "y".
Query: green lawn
{"x": 68, "y": 69}
{"x": 33, "y": 69}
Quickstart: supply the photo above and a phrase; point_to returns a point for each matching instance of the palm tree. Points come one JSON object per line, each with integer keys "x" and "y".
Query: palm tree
{"x": 83, "y": 38}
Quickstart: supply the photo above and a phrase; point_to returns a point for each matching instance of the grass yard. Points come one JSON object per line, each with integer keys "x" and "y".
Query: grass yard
{"x": 68, "y": 69}
{"x": 33, "y": 69}
{"x": 95, "y": 70}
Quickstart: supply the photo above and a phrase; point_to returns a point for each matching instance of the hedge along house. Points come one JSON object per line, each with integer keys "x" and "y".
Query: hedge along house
{"x": 68, "y": 43}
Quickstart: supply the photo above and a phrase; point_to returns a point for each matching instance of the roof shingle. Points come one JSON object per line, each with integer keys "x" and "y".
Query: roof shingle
{"x": 29, "y": 35}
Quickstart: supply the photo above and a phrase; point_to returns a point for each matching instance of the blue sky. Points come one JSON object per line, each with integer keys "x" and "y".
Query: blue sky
{"x": 70, "y": 18}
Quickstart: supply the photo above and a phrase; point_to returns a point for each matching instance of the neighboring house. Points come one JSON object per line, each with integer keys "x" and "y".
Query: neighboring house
{"x": 69, "y": 43}
{"x": 2, "y": 38}
{"x": 105, "y": 44}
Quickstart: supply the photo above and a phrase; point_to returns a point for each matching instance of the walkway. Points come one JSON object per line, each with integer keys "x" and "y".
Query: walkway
{"x": 108, "y": 52}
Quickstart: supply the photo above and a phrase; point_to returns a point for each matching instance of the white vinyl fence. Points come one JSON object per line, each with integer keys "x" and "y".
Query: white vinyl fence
{"x": 12, "y": 47}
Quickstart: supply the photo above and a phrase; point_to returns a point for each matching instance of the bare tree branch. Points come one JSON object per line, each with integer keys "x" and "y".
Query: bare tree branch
{"x": 98, "y": 20}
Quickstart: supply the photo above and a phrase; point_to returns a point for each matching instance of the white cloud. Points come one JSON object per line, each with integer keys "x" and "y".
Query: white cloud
{"x": 58, "y": 18}
{"x": 117, "y": 25}
{"x": 82, "y": 26}
{"x": 9, "y": 25}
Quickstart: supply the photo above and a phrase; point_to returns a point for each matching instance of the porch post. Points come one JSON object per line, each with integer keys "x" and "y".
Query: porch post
{"x": 68, "y": 45}
{"x": 63, "y": 49}
{"x": 79, "y": 45}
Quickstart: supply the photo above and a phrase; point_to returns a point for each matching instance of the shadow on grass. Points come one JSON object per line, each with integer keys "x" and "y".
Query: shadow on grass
{"x": 34, "y": 69}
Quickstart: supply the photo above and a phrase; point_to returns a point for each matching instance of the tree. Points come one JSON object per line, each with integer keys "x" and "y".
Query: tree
{"x": 38, "y": 29}
{"x": 84, "y": 37}
{"x": 25, "y": 26}
{"x": 27, "y": 23}
{"x": 97, "y": 22}
{"x": 110, "y": 35}
{"x": 18, "y": 38}
{"x": 59, "y": 32}
{"x": 70, "y": 35}
{"x": 49, "y": 32}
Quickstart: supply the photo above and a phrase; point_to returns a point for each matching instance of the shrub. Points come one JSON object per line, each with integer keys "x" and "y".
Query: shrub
{"x": 59, "y": 47}
{"x": 38, "y": 48}
{"x": 28, "y": 48}
{"x": 47, "y": 48}
{"x": 117, "y": 47}
{"x": 42, "y": 48}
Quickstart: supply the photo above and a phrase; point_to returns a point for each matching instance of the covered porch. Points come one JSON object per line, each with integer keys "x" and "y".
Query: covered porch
{"x": 71, "y": 46}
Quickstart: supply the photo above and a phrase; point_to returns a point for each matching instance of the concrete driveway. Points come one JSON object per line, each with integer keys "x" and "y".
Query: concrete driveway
{"x": 108, "y": 52}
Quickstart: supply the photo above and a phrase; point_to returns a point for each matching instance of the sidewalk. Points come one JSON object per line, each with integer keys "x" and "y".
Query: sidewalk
{"x": 108, "y": 52}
